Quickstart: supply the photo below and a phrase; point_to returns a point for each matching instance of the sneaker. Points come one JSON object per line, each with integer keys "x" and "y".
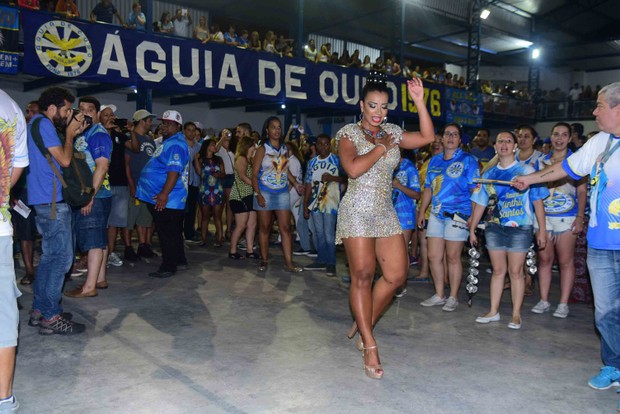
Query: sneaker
{"x": 114, "y": 260}
{"x": 144, "y": 250}
{"x": 243, "y": 245}
{"x": 346, "y": 279}
{"x": 450, "y": 305}
{"x": 312, "y": 253}
{"x": 413, "y": 261}
{"x": 434, "y": 301}
{"x": 9, "y": 406}
{"x": 541, "y": 307}
{"x": 400, "y": 292}
{"x": 130, "y": 254}
{"x": 61, "y": 326}
{"x": 561, "y": 311}
{"x": 301, "y": 252}
{"x": 35, "y": 317}
{"x": 82, "y": 264}
{"x": 331, "y": 270}
{"x": 315, "y": 266}
{"x": 607, "y": 378}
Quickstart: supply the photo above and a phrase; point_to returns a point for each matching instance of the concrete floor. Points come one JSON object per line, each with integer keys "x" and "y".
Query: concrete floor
{"x": 222, "y": 338}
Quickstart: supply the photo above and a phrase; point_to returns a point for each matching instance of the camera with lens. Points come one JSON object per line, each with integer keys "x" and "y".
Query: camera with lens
{"x": 87, "y": 118}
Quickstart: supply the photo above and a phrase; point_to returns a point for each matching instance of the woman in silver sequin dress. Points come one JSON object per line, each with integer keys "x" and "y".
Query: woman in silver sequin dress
{"x": 367, "y": 222}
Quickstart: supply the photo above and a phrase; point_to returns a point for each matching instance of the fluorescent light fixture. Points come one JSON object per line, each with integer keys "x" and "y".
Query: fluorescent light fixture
{"x": 535, "y": 53}
{"x": 485, "y": 13}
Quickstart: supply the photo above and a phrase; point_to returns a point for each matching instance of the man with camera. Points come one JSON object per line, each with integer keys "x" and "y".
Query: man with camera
{"x": 53, "y": 217}
{"x": 91, "y": 221}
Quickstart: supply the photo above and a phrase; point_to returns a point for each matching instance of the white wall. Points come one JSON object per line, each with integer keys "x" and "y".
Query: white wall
{"x": 544, "y": 128}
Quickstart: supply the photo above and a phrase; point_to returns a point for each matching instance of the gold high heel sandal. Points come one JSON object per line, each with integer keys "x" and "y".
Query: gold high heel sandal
{"x": 359, "y": 343}
{"x": 372, "y": 371}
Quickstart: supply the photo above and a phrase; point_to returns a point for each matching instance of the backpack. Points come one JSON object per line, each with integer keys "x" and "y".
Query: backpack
{"x": 76, "y": 179}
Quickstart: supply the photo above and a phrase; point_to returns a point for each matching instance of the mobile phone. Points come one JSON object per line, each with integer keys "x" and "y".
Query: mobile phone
{"x": 184, "y": 12}
{"x": 121, "y": 122}
{"x": 295, "y": 126}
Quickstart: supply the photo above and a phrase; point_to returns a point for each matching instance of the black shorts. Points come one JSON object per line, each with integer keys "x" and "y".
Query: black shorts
{"x": 243, "y": 206}
{"x": 24, "y": 228}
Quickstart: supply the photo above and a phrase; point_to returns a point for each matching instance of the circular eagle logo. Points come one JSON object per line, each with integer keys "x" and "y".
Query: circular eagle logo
{"x": 455, "y": 170}
{"x": 63, "y": 48}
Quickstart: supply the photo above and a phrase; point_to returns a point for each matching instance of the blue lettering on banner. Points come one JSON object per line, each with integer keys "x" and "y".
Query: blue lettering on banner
{"x": 112, "y": 54}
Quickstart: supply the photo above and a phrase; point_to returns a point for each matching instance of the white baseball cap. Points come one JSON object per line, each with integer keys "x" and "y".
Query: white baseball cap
{"x": 199, "y": 125}
{"x": 140, "y": 114}
{"x": 112, "y": 107}
{"x": 172, "y": 115}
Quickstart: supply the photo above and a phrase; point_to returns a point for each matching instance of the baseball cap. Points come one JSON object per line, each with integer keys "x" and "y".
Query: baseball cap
{"x": 199, "y": 125}
{"x": 112, "y": 107}
{"x": 140, "y": 114}
{"x": 172, "y": 115}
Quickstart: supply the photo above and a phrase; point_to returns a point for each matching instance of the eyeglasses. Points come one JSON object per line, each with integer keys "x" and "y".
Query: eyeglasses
{"x": 451, "y": 134}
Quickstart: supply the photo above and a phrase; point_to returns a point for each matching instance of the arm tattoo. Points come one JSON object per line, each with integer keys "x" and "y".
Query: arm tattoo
{"x": 551, "y": 171}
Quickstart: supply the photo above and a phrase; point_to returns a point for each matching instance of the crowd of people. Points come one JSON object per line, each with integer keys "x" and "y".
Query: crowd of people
{"x": 173, "y": 180}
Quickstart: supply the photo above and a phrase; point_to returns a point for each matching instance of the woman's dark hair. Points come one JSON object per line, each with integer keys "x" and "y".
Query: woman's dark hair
{"x": 263, "y": 134}
{"x": 455, "y": 125}
{"x": 531, "y": 128}
{"x": 203, "y": 148}
{"x": 375, "y": 82}
{"x": 564, "y": 124}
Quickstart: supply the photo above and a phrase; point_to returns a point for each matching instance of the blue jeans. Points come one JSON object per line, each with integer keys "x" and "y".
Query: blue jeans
{"x": 323, "y": 228}
{"x": 604, "y": 266}
{"x": 56, "y": 259}
{"x": 302, "y": 229}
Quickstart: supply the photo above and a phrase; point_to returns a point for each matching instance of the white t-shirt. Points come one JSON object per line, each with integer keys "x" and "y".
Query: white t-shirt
{"x": 229, "y": 160}
{"x": 604, "y": 225}
{"x": 181, "y": 27}
{"x": 13, "y": 139}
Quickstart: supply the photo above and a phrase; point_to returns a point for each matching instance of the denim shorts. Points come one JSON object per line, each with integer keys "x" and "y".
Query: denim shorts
{"x": 9, "y": 316}
{"x": 118, "y": 210}
{"x": 510, "y": 239}
{"x": 558, "y": 225}
{"x": 446, "y": 229}
{"x": 91, "y": 231}
{"x": 227, "y": 182}
{"x": 273, "y": 201}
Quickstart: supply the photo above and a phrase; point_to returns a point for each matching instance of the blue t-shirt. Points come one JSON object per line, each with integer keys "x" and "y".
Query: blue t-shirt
{"x": 604, "y": 225}
{"x": 41, "y": 177}
{"x": 230, "y": 39}
{"x": 450, "y": 182}
{"x": 133, "y": 19}
{"x": 563, "y": 195}
{"x": 325, "y": 196}
{"x": 96, "y": 143}
{"x": 485, "y": 155}
{"x": 407, "y": 175}
{"x": 103, "y": 13}
{"x": 513, "y": 208}
{"x": 172, "y": 156}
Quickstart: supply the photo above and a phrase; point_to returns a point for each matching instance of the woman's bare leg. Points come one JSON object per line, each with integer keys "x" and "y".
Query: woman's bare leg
{"x": 436, "y": 247}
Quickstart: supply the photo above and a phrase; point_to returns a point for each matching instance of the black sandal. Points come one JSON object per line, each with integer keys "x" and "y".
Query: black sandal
{"x": 252, "y": 255}
{"x": 235, "y": 256}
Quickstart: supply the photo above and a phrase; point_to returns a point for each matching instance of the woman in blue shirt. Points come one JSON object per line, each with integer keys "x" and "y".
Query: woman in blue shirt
{"x": 564, "y": 211}
{"x": 270, "y": 180}
{"x": 509, "y": 226}
{"x": 448, "y": 186}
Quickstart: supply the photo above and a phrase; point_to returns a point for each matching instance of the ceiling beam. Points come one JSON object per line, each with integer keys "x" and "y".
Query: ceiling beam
{"x": 43, "y": 83}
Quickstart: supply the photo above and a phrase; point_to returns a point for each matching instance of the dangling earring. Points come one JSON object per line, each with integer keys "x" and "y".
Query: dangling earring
{"x": 384, "y": 121}
{"x": 361, "y": 115}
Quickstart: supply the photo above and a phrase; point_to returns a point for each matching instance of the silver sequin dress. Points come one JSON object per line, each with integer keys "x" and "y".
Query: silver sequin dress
{"x": 366, "y": 210}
